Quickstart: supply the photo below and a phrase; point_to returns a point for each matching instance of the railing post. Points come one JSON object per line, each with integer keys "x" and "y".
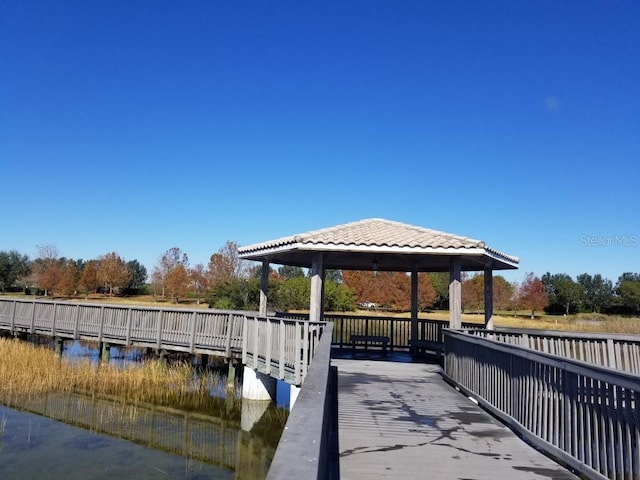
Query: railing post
{"x": 611, "y": 353}
{"x": 128, "y": 338}
{"x": 53, "y": 321}
{"x": 305, "y": 351}
{"x": 245, "y": 335}
{"x": 230, "y": 324}
{"x": 267, "y": 356}
{"x": 192, "y": 341}
{"x": 33, "y": 318}
{"x": 159, "y": 339}
{"x": 76, "y": 320}
{"x": 13, "y": 317}
{"x": 297, "y": 354}
{"x": 101, "y": 327}
{"x": 283, "y": 337}
{"x": 256, "y": 331}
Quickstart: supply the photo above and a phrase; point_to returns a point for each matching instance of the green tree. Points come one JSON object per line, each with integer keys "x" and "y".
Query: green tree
{"x": 293, "y": 294}
{"x": 138, "y": 281}
{"x": 564, "y": 295}
{"x": 234, "y": 294}
{"x": 290, "y": 271}
{"x": 338, "y": 297}
{"x": 440, "y": 283}
{"x": 598, "y": 291}
{"x": 13, "y": 266}
{"x": 628, "y": 289}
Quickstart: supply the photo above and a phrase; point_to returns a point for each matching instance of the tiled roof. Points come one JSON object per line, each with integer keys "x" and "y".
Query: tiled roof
{"x": 378, "y": 234}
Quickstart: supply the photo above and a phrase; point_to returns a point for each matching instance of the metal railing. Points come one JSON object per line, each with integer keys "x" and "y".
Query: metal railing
{"x": 584, "y": 415}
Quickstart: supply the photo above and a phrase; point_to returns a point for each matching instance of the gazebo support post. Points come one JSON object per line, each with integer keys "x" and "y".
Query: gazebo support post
{"x": 264, "y": 285}
{"x": 488, "y": 299}
{"x": 455, "y": 293}
{"x": 317, "y": 273}
{"x": 414, "y": 309}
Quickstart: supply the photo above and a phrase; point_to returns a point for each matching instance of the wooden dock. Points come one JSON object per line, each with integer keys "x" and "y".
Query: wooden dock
{"x": 402, "y": 420}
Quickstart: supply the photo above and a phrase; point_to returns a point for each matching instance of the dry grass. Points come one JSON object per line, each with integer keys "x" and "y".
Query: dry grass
{"x": 27, "y": 370}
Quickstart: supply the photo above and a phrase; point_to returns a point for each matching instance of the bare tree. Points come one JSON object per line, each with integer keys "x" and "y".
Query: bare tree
{"x": 227, "y": 265}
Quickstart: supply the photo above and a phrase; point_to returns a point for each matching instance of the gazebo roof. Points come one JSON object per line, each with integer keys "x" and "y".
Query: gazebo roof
{"x": 380, "y": 244}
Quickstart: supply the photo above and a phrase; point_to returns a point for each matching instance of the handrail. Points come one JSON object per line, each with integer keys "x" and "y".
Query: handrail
{"x": 621, "y": 352}
{"x": 582, "y": 414}
{"x": 308, "y": 448}
{"x": 278, "y": 347}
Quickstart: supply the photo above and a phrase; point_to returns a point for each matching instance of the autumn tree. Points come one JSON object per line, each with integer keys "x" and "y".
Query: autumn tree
{"x": 502, "y": 293}
{"x": 89, "y": 281}
{"x": 198, "y": 281}
{"x": 69, "y": 276}
{"x": 169, "y": 261}
{"x": 226, "y": 264}
{"x": 472, "y": 293}
{"x": 363, "y": 284}
{"x": 46, "y": 269}
{"x": 426, "y": 293}
{"x": 533, "y": 295}
{"x": 177, "y": 283}
{"x": 113, "y": 273}
{"x": 391, "y": 290}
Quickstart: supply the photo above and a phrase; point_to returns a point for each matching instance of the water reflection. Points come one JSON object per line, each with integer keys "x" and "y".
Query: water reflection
{"x": 103, "y": 437}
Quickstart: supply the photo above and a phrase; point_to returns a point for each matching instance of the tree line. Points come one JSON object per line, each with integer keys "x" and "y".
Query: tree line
{"x": 228, "y": 282}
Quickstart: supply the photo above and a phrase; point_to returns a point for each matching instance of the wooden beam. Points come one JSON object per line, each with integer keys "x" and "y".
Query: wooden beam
{"x": 455, "y": 293}
{"x": 488, "y": 299}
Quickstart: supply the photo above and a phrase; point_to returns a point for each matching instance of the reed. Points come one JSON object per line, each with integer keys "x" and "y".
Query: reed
{"x": 28, "y": 370}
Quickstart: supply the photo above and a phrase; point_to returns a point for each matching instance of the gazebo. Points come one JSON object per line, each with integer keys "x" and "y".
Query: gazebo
{"x": 383, "y": 245}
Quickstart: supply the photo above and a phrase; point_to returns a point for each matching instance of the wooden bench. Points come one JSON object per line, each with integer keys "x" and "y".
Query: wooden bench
{"x": 424, "y": 346}
{"x": 369, "y": 339}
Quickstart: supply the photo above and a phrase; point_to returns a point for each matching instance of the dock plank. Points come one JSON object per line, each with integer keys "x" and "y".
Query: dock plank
{"x": 401, "y": 420}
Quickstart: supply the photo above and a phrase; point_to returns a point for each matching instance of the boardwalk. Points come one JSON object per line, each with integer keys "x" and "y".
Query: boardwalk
{"x": 402, "y": 421}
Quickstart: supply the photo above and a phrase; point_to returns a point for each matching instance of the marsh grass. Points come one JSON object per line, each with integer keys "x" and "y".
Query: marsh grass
{"x": 27, "y": 371}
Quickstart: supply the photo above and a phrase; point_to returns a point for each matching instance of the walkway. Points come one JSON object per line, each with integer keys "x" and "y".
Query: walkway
{"x": 403, "y": 421}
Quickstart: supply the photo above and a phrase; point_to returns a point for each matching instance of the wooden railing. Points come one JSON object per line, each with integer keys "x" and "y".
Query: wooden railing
{"x": 621, "y": 352}
{"x": 584, "y": 415}
{"x": 308, "y": 448}
{"x": 278, "y": 347}
{"x": 397, "y": 329}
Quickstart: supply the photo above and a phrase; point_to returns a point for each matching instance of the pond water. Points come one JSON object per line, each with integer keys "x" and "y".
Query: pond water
{"x": 71, "y": 436}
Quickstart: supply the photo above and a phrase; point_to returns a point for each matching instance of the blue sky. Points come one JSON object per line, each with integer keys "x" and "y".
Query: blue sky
{"x": 138, "y": 126}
